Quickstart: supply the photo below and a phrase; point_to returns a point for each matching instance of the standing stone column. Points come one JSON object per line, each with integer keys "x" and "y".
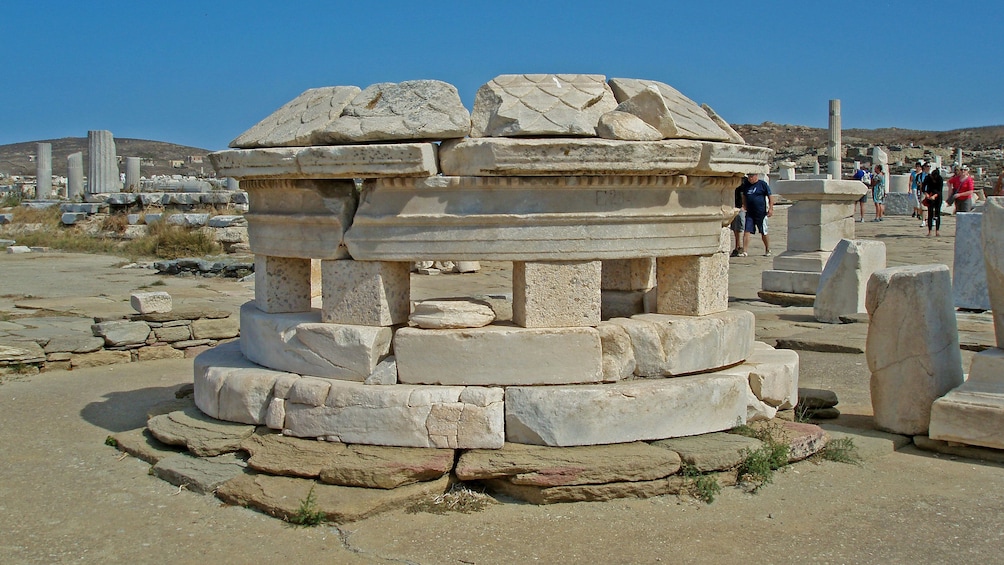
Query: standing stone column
{"x": 233, "y": 184}
{"x": 834, "y": 147}
{"x": 75, "y": 176}
{"x": 102, "y": 168}
{"x": 132, "y": 175}
{"x": 43, "y": 171}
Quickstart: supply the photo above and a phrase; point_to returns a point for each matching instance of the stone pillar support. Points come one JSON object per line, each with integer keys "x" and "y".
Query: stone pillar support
{"x": 628, "y": 287}
{"x": 553, "y": 294}
{"x": 834, "y": 148}
{"x": 102, "y": 166}
{"x": 132, "y": 174}
{"x": 365, "y": 293}
{"x": 43, "y": 171}
{"x": 282, "y": 284}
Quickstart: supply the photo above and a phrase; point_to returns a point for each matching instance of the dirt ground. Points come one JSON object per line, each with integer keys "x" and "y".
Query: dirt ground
{"x": 66, "y": 497}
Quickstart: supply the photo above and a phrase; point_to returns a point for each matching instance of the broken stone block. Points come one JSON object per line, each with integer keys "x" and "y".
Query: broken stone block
{"x": 844, "y": 280}
{"x": 618, "y": 356}
{"x": 556, "y": 294}
{"x": 198, "y": 474}
{"x": 993, "y": 257}
{"x": 117, "y": 332}
{"x": 376, "y": 466}
{"x": 711, "y": 452}
{"x": 625, "y": 411}
{"x": 649, "y": 105}
{"x": 969, "y": 272}
{"x": 973, "y": 413}
{"x": 406, "y": 111}
{"x": 298, "y": 121}
{"x": 912, "y": 347}
{"x": 200, "y": 434}
{"x": 773, "y": 376}
{"x": 625, "y": 127}
{"x": 498, "y": 355}
{"x": 385, "y": 372}
{"x": 148, "y": 302}
{"x": 691, "y": 121}
{"x": 541, "y": 105}
{"x": 215, "y": 328}
{"x": 692, "y": 285}
{"x": 734, "y": 136}
{"x": 457, "y": 313}
{"x": 369, "y": 293}
{"x": 679, "y": 345}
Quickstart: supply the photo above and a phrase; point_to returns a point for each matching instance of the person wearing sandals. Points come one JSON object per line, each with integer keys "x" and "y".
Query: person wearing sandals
{"x": 878, "y": 193}
{"x": 759, "y": 205}
{"x": 933, "y": 185}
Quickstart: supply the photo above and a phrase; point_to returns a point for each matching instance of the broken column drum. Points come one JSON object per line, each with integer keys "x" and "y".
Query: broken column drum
{"x": 326, "y": 347}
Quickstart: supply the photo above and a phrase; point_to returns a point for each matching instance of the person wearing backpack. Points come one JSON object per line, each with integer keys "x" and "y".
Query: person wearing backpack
{"x": 862, "y": 175}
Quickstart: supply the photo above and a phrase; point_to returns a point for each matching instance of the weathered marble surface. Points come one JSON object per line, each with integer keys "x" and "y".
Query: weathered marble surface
{"x": 690, "y": 120}
{"x": 913, "y": 345}
{"x": 969, "y": 272}
{"x": 973, "y": 413}
{"x": 541, "y": 105}
{"x": 304, "y": 218}
{"x": 993, "y": 257}
{"x": 298, "y": 122}
{"x": 844, "y": 280}
{"x": 556, "y": 294}
{"x": 328, "y": 162}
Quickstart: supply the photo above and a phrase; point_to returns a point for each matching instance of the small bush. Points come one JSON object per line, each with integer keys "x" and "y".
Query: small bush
{"x": 110, "y": 441}
{"x": 115, "y": 223}
{"x": 460, "y": 498}
{"x": 700, "y": 486}
{"x": 841, "y": 450}
{"x": 758, "y": 466}
{"x": 11, "y": 199}
{"x": 308, "y": 514}
{"x": 169, "y": 241}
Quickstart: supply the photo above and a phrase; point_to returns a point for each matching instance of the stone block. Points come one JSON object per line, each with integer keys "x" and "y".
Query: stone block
{"x": 282, "y": 284}
{"x": 99, "y": 359}
{"x": 328, "y": 162}
{"x": 150, "y": 302}
{"x": 370, "y": 293}
{"x": 820, "y": 189}
{"x": 992, "y": 233}
{"x": 649, "y": 105}
{"x": 692, "y": 285}
{"x": 808, "y": 261}
{"x": 717, "y": 451}
{"x": 18, "y": 249}
{"x": 117, "y": 333}
{"x": 689, "y": 119}
{"x": 913, "y": 345}
{"x": 452, "y": 314}
{"x": 211, "y": 369}
{"x": 969, "y": 272}
{"x": 819, "y": 237}
{"x": 245, "y": 395}
{"x": 70, "y": 218}
{"x": 618, "y": 355}
{"x": 541, "y": 105}
{"x": 409, "y": 110}
{"x": 773, "y": 376}
{"x": 628, "y": 274}
{"x": 376, "y": 466}
{"x": 301, "y": 343}
{"x": 556, "y": 294}
{"x": 625, "y": 411}
{"x": 297, "y": 122}
{"x": 403, "y": 415}
{"x": 172, "y": 334}
{"x": 678, "y": 345}
{"x": 300, "y": 218}
{"x": 218, "y": 328}
{"x": 227, "y": 221}
{"x": 385, "y": 373}
{"x": 973, "y": 413}
{"x": 625, "y": 127}
{"x": 844, "y": 280}
{"x": 515, "y": 219}
{"x": 76, "y": 343}
{"x": 188, "y": 220}
{"x": 202, "y": 475}
{"x": 21, "y": 352}
{"x": 154, "y": 352}
{"x": 797, "y": 282}
{"x": 626, "y": 303}
{"x": 498, "y": 355}
{"x": 200, "y": 434}
{"x": 734, "y": 136}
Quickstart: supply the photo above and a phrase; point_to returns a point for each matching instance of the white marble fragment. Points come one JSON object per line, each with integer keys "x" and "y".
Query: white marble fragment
{"x": 151, "y": 302}
{"x": 691, "y": 121}
{"x": 298, "y": 121}
{"x": 457, "y": 313}
{"x": 844, "y": 280}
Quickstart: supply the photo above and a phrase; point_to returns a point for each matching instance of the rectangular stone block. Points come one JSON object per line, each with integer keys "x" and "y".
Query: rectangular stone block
{"x": 820, "y": 189}
{"x": 819, "y": 237}
{"x": 678, "y": 345}
{"x": 219, "y": 328}
{"x": 282, "y": 284}
{"x": 692, "y": 285}
{"x": 818, "y": 212}
{"x": 403, "y": 415}
{"x": 973, "y": 413}
{"x": 796, "y": 282}
{"x": 300, "y": 218}
{"x": 626, "y": 411}
{"x": 368, "y": 293}
{"x": 329, "y": 162}
{"x": 844, "y": 280}
{"x": 498, "y": 355}
{"x": 809, "y": 261}
{"x": 626, "y": 303}
{"x": 556, "y": 294}
{"x": 969, "y": 272}
{"x": 628, "y": 274}
{"x": 773, "y": 376}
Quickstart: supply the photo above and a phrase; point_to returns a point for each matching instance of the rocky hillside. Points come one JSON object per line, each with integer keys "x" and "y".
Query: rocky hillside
{"x": 16, "y": 158}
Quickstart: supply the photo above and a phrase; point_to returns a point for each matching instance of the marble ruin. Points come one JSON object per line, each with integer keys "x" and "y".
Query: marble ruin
{"x": 609, "y": 198}
{"x": 75, "y": 176}
{"x": 43, "y": 171}
{"x": 102, "y": 166}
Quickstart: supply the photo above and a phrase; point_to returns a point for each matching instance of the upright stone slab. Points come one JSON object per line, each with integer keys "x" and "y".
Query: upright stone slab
{"x": 43, "y": 171}
{"x": 913, "y": 345}
{"x": 282, "y": 284}
{"x": 367, "y": 293}
{"x": 969, "y": 273}
{"x": 844, "y": 282}
{"x": 973, "y": 413}
{"x": 693, "y": 285}
{"x": 75, "y": 176}
{"x": 541, "y": 105}
{"x": 132, "y": 174}
{"x": 556, "y": 294}
{"x": 993, "y": 258}
{"x": 102, "y": 164}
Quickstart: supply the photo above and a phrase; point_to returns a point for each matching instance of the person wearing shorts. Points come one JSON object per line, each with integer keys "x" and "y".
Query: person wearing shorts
{"x": 739, "y": 222}
{"x": 759, "y": 204}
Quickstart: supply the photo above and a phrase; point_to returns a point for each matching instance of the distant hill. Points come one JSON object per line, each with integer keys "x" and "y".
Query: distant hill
{"x": 16, "y": 158}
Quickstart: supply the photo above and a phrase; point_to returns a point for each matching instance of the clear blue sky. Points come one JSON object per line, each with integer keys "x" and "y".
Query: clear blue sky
{"x": 200, "y": 73}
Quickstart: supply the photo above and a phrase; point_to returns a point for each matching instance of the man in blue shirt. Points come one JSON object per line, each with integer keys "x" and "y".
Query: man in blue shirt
{"x": 759, "y": 205}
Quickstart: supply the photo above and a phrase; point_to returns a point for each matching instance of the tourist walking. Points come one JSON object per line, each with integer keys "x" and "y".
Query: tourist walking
{"x": 916, "y": 192}
{"x": 933, "y": 185}
{"x": 878, "y": 193}
{"x": 759, "y": 205}
{"x": 964, "y": 190}
{"x": 739, "y": 222}
{"x": 864, "y": 176}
